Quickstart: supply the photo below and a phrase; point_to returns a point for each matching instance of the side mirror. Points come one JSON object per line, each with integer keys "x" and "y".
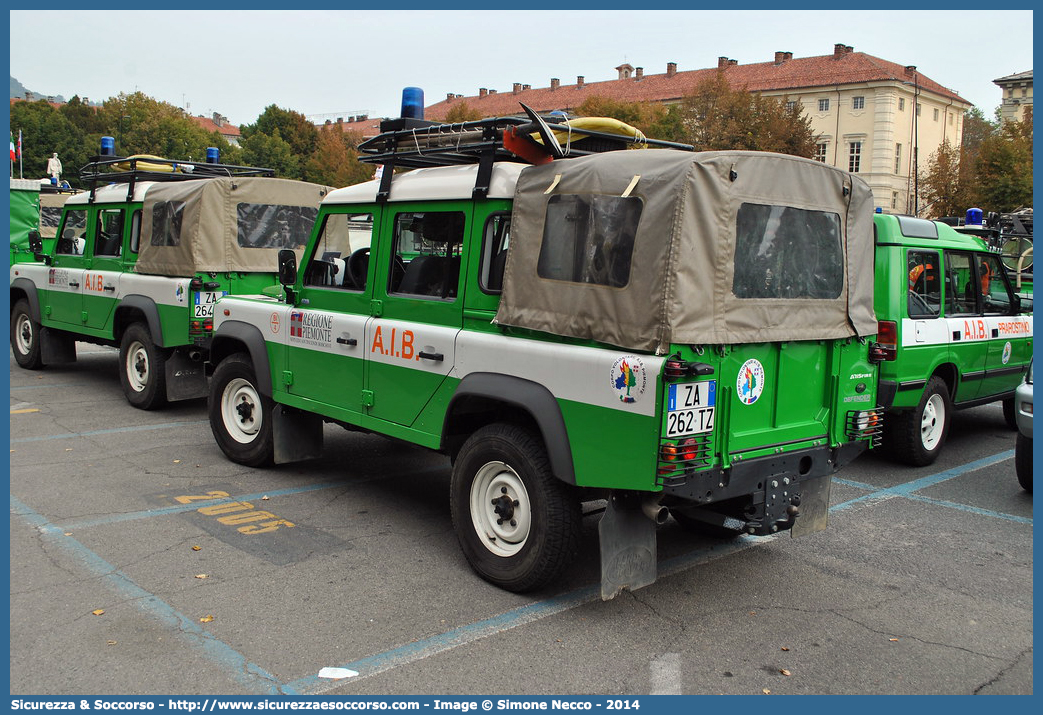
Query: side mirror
{"x": 36, "y": 246}
{"x": 287, "y": 267}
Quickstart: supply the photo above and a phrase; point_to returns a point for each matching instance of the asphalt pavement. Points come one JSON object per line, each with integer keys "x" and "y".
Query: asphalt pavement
{"x": 144, "y": 562}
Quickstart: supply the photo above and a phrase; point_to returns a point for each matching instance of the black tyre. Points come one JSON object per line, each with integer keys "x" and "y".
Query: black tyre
{"x": 517, "y": 524}
{"x": 1010, "y": 415}
{"x": 917, "y": 436}
{"x": 142, "y": 369}
{"x": 1023, "y": 461}
{"x": 240, "y": 416}
{"x": 25, "y": 337}
{"x": 694, "y": 526}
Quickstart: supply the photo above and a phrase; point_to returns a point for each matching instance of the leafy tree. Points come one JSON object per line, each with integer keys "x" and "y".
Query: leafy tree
{"x": 462, "y": 112}
{"x": 718, "y": 116}
{"x": 291, "y": 127}
{"x": 645, "y": 116}
{"x": 272, "y": 152}
{"x": 946, "y": 185}
{"x": 335, "y": 160}
{"x": 46, "y": 130}
{"x": 1004, "y": 167}
{"x": 992, "y": 169}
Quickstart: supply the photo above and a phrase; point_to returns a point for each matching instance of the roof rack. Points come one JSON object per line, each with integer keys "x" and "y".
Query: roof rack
{"x": 102, "y": 170}
{"x": 414, "y": 143}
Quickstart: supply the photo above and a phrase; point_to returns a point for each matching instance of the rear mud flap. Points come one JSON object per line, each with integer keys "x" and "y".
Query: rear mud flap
{"x": 186, "y": 378}
{"x": 56, "y": 347}
{"x": 814, "y": 506}
{"x": 296, "y": 435}
{"x": 628, "y": 547}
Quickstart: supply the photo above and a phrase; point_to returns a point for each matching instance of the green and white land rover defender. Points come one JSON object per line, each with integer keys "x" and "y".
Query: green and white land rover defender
{"x": 952, "y": 322}
{"x": 672, "y": 332}
{"x": 139, "y": 263}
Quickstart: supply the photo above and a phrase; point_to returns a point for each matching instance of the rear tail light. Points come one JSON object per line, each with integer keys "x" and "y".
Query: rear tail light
{"x": 865, "y": 425}
{"x": 886, "y": 345}
{"x": 679, "y": 458}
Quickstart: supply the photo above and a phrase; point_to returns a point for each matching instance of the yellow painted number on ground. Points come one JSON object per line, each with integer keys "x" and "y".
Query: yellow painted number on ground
{"x": 238, "y": 512}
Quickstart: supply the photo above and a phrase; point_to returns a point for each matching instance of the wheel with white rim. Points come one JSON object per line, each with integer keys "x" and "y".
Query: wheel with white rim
{"x": 240, "y": 416}
{"x": 25, "y": 337}
{"x": 142, "y": 369}
{"x": 917, "y": 436}
{"x": 517, "y": 524}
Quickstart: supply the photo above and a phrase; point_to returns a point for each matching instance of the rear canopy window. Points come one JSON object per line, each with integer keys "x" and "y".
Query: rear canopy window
{"x": 273, "y": 226}
{"x": 589, "y": 239}
{"x": 785, "y": 252}
{"x": 167, "y": 217}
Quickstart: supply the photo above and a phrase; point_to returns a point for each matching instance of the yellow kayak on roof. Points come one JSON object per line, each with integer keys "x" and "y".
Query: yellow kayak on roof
{"x": 168, "y": 168}
{"x": 606, "y": 125}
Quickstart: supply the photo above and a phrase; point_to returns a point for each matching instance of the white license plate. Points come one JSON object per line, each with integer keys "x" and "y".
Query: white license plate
{"x": 203, "y": 305}
{"x": 690, "y": 408}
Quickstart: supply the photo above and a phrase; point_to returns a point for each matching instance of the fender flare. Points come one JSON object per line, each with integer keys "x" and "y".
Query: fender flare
{"x": 533, "y": 398}
{"x": 236, "y": 331}
{"x": 148, "y": 308}
{"x": 29, "y": 288}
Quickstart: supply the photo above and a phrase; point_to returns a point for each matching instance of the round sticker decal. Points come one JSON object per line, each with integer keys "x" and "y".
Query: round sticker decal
{"x": 628, "y": 378}
{"x": 1006, "y": 353}
{"x": 750, "y": 382}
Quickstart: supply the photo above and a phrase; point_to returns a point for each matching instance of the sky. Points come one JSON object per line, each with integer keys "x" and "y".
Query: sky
{"x": 350, "y": 62}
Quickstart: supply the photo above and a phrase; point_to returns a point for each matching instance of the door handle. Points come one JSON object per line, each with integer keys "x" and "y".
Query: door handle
{"x": 109, "y": 288}
{"x": 352, "y": 342}
{"x": 437, "y": 357}
{"x": 73, "y": 285}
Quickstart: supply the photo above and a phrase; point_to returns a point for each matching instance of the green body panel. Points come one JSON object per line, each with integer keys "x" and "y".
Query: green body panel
{"x": 975, "y": 364}
{"x": 610, "y": 449}
{"x": 25, "y": 216}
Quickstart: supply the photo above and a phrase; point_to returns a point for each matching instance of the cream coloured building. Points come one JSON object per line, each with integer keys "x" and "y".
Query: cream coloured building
{"x": 1017, "y": 96}
{"x": 873, "y": 117}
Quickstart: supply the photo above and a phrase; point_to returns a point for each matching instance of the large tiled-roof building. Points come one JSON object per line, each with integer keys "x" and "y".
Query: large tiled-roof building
{"x": 874, "y": 117}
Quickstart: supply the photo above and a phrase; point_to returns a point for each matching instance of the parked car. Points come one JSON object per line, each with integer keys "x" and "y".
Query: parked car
{"x": 140, "y": 259}
{"x": 959, "y": 334}
{"x": 1023, "y": 447}
{"x": 672, "y": 332}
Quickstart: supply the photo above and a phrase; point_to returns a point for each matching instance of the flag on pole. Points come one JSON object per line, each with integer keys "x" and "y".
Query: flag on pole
{"x": 12, "y": 145}
{"x": 19, "y": 145}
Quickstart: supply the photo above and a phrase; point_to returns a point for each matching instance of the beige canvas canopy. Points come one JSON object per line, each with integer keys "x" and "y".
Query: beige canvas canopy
{"x": 225, "y": 224}
{"x": 647, "y": 248}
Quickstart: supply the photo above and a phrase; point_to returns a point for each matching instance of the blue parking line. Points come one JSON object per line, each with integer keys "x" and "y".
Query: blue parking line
{"x": 972, "y": 509}
{"x": 248, "y": 674}
{"x": 257, "y": 679}
{"x": 51, "y": 385}
{"x": 115, "y": 430}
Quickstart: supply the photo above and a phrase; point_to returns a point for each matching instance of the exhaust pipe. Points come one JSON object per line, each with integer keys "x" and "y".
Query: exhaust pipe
{"x": 654, "y": 510}
{"x": 195, "y": 355}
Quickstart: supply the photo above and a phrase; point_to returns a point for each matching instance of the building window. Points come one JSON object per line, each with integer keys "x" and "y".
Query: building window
{"x": 823, "y": 105}
{"x": 898, "y": 159}
{"x": 790, "y": 106}
{"x": 936, "y": 114}
{"x": 820, "y": 152}
{"x": 918, "y": 108}
{"x": 858, "y": 102}
{"x": 950, "y": 120}
{"x": 854, "y": 157}
{"x": 901, "y": 104}
{"x": 894, "y": 199}
{"x": 1024, "y": 92}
